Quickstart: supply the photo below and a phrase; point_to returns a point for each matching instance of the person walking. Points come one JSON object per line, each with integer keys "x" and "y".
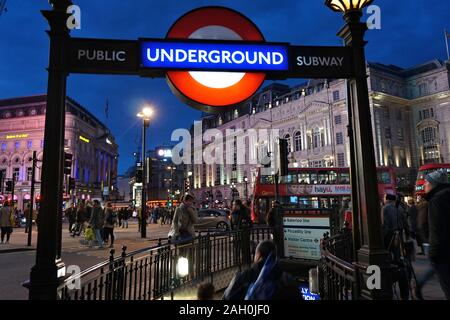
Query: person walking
{"x": 264, "y": 280}
{"x": 184, "y": 219}
{"x": 237, "y": 215}
{"x": 110, "y": 221}
{"x": 437, "y": 193}
{"x": 97, "y": 222}
{"x": 71, "y": 215}
{"x": 126, "y": 215}
{"x": 272, "y": 215}
{"x": 394, "y": 223}
{"x": 81, "y": 218}
{"x": 6, "y": 217}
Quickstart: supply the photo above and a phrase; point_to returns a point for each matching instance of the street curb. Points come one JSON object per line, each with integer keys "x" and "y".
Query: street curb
{"x": 16, "y": 250}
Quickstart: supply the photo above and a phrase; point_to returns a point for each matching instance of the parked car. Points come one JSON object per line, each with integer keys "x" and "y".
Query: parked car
{"x": 213, "y": 219}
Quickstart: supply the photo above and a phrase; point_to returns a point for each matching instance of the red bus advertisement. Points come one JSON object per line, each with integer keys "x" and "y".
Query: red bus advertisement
{"x": 312, "y": 188}
{"x": 426, "y": 169}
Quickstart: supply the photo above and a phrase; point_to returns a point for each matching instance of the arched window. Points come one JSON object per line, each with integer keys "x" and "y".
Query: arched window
{"x": 288, "y": 138}
{"x": 298, "y": 141}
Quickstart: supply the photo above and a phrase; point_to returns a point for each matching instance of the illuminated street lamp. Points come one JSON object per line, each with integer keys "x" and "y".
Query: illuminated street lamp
{"x": 368, "y": 243}
{"x": 246, "y": 188}
{"x": 146, "y": 114}
{"x": 347, "y": 6}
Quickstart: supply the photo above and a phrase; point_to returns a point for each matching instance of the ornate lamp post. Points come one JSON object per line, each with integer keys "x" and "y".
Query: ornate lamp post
{"x": 367, "y": 227}
{"x": 146, "y": 115}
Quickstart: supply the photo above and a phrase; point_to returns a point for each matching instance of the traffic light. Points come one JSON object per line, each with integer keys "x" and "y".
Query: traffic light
{"x": 283, "y": 153}
{"x": 9, "y": 186}
{"x": 71, "y": 184}
{"x": 139, "y": 176}
{"x": 68, "y": 163}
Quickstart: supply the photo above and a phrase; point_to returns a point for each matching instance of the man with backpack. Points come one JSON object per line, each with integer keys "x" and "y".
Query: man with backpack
{"x": 264, "y": 280}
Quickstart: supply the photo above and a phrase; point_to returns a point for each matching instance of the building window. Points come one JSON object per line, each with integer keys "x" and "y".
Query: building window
{"x": 288, "y": 139}
{"x": 29, "y": 173}
{"x": 341, "y": 160}
{"x": 316, "y": 138}
{"x": 338, "y": 119}
{"x": 420, "y": 115}
{"x": 298, "y": 141}
{"x": 426, "y": 114}
{"x": 428, "y": 135}
{"x": 432, "y": 112}
{"x": 387, "y": 115}
{"x": 16, "y": 145}
{"x": 218, "y": 180}
{"x": 399, "y": 115}
{"x": 388, "y": 133}
{"x": 16, "y": 172}
{"x": 339, "y": 138}
{"x": 402, "y": 156}
{"x": 335, "y": 95}
{"x": 4, "y": 146}
{"x": 400, "y": 135}
{"x": 66, "y": 142}
{"x": 29, "y": 144}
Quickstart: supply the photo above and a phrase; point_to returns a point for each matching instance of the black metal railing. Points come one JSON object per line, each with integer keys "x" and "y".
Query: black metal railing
{"x": 151, "y": 273}
{"x": 338, "y": 274}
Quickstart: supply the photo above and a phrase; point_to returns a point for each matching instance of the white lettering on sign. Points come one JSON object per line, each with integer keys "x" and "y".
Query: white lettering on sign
{"x": 101, "y": 55}
{"x": 320, "y": 61}
{"x": 215, "y": 56}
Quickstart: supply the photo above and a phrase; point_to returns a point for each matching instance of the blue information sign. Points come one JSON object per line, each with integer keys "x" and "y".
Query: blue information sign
{"x": 308, "y": 295}
{"x": 214, "y": 56}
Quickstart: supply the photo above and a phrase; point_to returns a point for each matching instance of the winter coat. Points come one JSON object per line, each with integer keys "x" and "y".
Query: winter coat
{"x": 286, "y": 288}
{"x": 97, "y": 218}
{"x": 439, "y": 223}
{"x": 183, "y": 221}
{"x": 393, "y": 219}
{"x": 422, "y": 221}
{"x": 5, "y": 217}
{"x": 108, "y": 213}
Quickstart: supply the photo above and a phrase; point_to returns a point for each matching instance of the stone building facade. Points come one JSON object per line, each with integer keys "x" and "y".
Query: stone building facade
{"x": 410, "y": 111}
{"x": 95, "y": 153}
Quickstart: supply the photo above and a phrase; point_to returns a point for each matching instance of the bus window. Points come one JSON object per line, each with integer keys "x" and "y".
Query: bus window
{"x": 291, "y": 178}
{"x": 344, "y": 178}
{"x": 333, "y": 177}
{"x": 293, "y": 200}
{"x": 315, "y": 203}
{"x": 303, "y": 178}
{"x": 384, "y": 177}
{"x": 324, "y": 203}
{"x": 323, "y": 177}
{"x": 267, "y": 180}
{"x": 313, "y": 178}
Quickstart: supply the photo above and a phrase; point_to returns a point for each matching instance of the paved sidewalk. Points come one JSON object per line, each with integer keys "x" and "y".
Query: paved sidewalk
{"x": 431, "y": 290}
{"x": 130, "y": 237}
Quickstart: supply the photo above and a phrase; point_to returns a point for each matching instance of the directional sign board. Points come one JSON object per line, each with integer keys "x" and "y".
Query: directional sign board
{"x": 102, "y": 56}
{"x": 302, "y": 234}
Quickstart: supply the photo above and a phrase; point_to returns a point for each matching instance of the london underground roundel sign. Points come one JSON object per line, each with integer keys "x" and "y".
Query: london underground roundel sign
{"x": 212, "y": 91}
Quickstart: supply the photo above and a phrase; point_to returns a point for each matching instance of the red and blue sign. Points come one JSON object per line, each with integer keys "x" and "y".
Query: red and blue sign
{"x": 214, "y": 56}
{"x": 212, "y": 91}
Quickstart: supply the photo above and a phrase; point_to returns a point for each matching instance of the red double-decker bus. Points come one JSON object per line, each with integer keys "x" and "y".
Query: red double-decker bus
{"x": 312, "y": 188}
{"x": 426, "y": 169}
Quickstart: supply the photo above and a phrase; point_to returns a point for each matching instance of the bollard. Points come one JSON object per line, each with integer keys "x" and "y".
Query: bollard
{"x": 314, "y": 280}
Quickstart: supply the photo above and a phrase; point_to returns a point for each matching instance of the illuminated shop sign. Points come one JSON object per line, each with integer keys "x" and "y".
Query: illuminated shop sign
{"x": 165, "y": 153}
{"x": 84, "y": 139}
{"x": 17, "y": 136}
{"x": 214, "y": 56}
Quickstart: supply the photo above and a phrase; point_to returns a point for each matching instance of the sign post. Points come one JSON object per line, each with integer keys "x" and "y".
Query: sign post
{"x": 44, "y": 274}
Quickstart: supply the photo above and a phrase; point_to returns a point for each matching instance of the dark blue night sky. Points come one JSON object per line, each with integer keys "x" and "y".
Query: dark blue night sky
{"x": 412, "y": 33}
